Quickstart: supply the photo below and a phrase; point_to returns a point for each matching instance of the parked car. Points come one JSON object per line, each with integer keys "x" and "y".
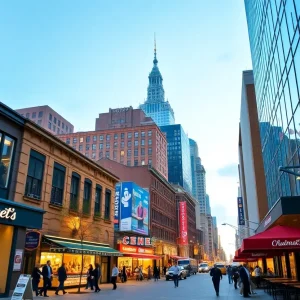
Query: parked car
{"x": 182, "y": 275}
{"x": 203, "y": 268}
{"x": 222, "y": 268}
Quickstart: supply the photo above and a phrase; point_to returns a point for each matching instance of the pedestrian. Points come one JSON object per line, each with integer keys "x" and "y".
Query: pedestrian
{"x": 176, "y": 272}
{"x": 156, "y": 273}
{"x": 165, "y": 270}
{"x": 216, "y": 275}
{"x": 124, "y": 274}
{"x": 235, "y": 277}
{"x": 114, "y": 276}
{"x": 245, "y": 279}
{"x": 62, "y": 277}
{"x": 257, "y": 275}
{"x": 158, "y": 270}
{"x": 97, "y": 276}
{"x": 229, "y": 273}
{"x": 89, "y": 278}
{"x": 47, "y": 278}
{"x": 149, "y": 273}
{"x": 36, "y": 276}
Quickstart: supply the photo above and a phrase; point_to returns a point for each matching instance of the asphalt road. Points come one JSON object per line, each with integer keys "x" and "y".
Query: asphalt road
{"x": 193, "y": 288}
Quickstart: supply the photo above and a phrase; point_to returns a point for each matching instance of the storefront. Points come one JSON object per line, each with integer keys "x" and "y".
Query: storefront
{"x": 165, "y": 251}
{"x": 15, "y": 218}
{"x": 135, "y": 257}
{"x": 76, "y": 254}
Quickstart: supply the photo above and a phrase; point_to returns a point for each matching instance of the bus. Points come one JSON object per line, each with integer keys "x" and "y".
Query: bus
{"x": 189, "y": 264}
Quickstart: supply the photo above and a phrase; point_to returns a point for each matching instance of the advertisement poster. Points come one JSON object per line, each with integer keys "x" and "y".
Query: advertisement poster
{"x": 241, "y": 211}
{"x": 183, "y": 223}
{"x": 32, "y": 240}
{"x": 18, "y": 260}
{"x": 134, "y": 208}
{"x": 117, "y": 206}
{"x": 23, "y": 287}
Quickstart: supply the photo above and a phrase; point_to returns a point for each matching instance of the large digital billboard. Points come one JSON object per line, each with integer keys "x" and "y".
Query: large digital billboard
{"x": 133, "y": 208}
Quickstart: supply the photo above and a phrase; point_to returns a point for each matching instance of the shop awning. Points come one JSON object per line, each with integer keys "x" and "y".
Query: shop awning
{"x": 141, "y": 255}
{"x": 61, "y": 245}
{"x": 278, "y": 238}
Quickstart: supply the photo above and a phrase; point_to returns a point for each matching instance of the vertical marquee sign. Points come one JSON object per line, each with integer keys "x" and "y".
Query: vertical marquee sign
{"x": 117, "y": 206}
{"x": 183, "y": 223}
{"x": 241, "y": 211}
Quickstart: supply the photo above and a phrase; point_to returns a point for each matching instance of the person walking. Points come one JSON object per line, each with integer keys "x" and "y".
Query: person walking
{"x": 47, "y": 278}
{"x": 229, "y": 273}
{"x": 216, "y": 275}
{"x": 165, "y": 270}
{"x": 235, "y": 277}
{"x": 245, "y": 279}
{"x": 90, "y": 278}
{"x": 156, "y": 273}
{"x": 124, "y": 274}
{"x": 176, "y": 272}
{"x": 257, "y": 275}
{"x": 97, "y": 276}
{"x": 114, "y": 276}
{"x": 36, "y": 276}
{"x": 62, "y": 277}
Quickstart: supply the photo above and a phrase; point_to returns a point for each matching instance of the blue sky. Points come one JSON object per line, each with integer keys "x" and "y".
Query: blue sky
{"x": 83, "y": 57}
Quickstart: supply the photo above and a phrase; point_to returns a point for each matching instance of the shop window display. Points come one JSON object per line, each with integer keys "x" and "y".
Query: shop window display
{"x": 132, "y": 264}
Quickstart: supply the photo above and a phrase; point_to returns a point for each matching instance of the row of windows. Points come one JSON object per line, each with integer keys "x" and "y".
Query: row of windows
{"x": 163, "y": 234}
{"x": 108, "y": 145}
{"x": 162, "y": 219}
{"x": 34, "y": 183}
{"x": 136, "y": 152}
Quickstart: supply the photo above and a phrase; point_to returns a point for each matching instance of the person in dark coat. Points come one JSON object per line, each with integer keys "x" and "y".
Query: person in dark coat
{"x": 36, "y": 276}
{"x": 97, "y": 275}
{"x": 165, "y": 270}
{"x": 62, "y": 277}
{"x": 235, "y": 276}
{"x": 47, "y": 278}
{"x": 124, "y": 274}
{"x": 90, "y": 278}
{"x": 245, "y": 278}
{"x": 216, "y": 275}
{"x": 156, "y": 273}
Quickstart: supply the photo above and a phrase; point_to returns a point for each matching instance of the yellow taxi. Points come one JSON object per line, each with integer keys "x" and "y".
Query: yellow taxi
{"x": 222, "y": 267}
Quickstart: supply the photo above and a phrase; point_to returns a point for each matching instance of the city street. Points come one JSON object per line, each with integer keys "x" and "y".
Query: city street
{"x": 195, "y": 287}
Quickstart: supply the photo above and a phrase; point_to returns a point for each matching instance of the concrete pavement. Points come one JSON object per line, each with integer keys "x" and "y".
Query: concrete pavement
{"x": 193, "y": 288}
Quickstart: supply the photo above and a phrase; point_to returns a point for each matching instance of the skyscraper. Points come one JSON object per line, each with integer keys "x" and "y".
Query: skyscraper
{"x": 155, "y": 105}
{"x": 179, "y": 161}
{"x": 194, "y": 157}
{"x": 207, "y": 204}
{"x": 273, "y": 28}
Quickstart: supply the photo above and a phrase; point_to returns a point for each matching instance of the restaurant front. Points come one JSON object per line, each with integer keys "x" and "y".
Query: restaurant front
{"x": 75, "y": 254}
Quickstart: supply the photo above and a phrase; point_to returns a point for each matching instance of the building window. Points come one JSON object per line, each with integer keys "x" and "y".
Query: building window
{"x": 66, "y": 128}
{"x": 122, "y": 153}
{"x": 149, "y": 151}
{"x": 49, "y": 125}
{"x": 54, "y": 127}
{"x": 35, "y": 173}
{"x": 115, "y": 155}
{"x": 128, "y": 152}
{"x": 136, "y": 162}
{"x": 122, "y": 135}
{"x": 74, "y": 192}
{"x": 115, "y": 136}
{"x": 108, "y": 137}
{"x": 58, "y": 130}
{"x": 81, "y": 140}
{"x": 143, "y": 134}
{"x": 74, "y": 147}
{"x": 107, "y": 146}
{"x": 98, "y": 194}
{"x": 58, "y": 182}
{"x": 100, "y": 155}
{"x": 54, "y": 120}
{"x": 122, "y": 145}
{"x": 50, "y": 117}
{"x": 87, "y": 196}
{"x": 39, "y": 122}
{"x": 136, "y": 134}
{"x": 143, "y": 142}
{"x": 58, "y": 122}
{"x": 27, "y": 115}
{"x": 150, "y": 162}
{"x": 80, "y": 147}
{"x": 40, "y": 114}
{"x": 136, "y": 143}
{"x": 101, "y": 137}
{"x": 150, "y": 133}
{"x": 107, "y": 204}
{"x": 87, "y": 139}
{"x": 129, "y": 144}
{"x": 94, "y": 155}
{"x": 149, "y": 142}
{"x": 33, "y": 115}
{"x": 142, "y": 151}
{"x": 94, "y": 138}
{"x": 129, "y": 135}
{"x": 115, "y": 144}
{"x": 74, "y": 140}
{"x": 136, "y": 152}
{"x": 129, "y": 163}
{"x": 94, "y": 147}
{"x": 100, "y": 146}
{"x": 63, "y": 125}
{"x": 107, "y": 154}
{"x": 87, "y": 147}
{"x": 68, "y": 141}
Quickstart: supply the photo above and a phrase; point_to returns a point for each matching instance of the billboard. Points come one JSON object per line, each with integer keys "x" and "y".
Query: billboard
{"x": 241, "y": 211}
{"x": 183, "y": 223}
{"x": 133, "y": 208}
{"x": 117, "y": 206}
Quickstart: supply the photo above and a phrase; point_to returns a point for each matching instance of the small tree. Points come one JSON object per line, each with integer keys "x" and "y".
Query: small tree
{"x": 82, "y": 230}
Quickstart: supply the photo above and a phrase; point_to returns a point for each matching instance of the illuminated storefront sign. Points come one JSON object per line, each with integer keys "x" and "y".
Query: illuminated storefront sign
{"x": 8, "y": 213}
{"x": 241, "y": 211}
{"x": 183, "y": 223}
{"x": 134, "y": 249}
{"x": 136, "y": 240}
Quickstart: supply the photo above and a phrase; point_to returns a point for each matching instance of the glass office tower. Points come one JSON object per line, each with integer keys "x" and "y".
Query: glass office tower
{"x": 179, "y": 160}
{"x": 274, "y": 30}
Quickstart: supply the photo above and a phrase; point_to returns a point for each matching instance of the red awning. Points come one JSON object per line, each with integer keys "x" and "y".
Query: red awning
{"x": 142, "y": 255}
{"x": 260, "y": 254}
{"x": 245, "y": 259}
{"x": 278, "y": 238}
{"x": 177, "y": 257}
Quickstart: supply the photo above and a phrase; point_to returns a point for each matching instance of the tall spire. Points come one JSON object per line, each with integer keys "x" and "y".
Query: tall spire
{"x": 155, "y": 61}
